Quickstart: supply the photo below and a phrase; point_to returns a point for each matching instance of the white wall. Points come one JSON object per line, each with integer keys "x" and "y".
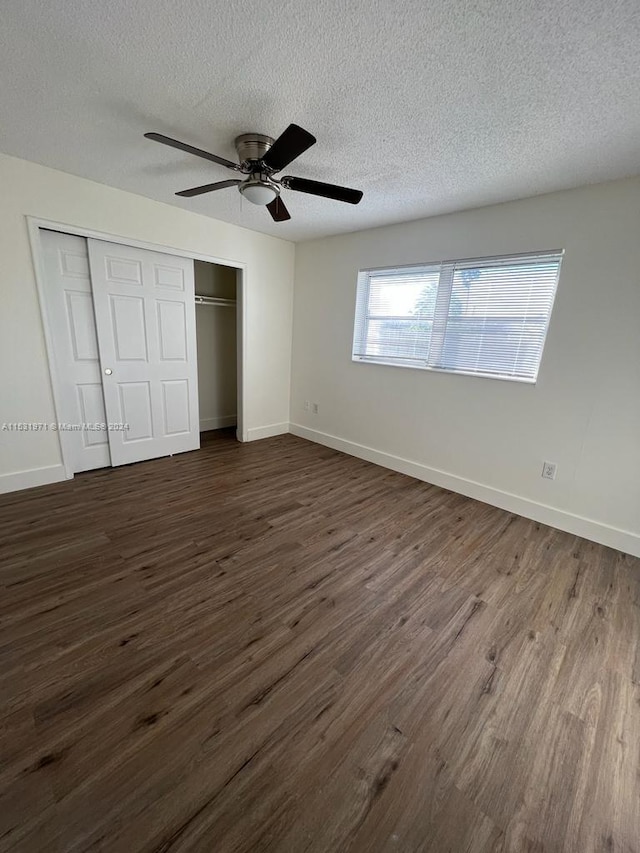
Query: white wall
{"x": 482, "y": 437}
{"x": 25, "y": 388}
{"x": 217, "y": 347}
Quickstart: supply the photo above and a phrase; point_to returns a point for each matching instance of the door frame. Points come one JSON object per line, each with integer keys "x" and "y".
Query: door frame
{"x": 35, "y": 223}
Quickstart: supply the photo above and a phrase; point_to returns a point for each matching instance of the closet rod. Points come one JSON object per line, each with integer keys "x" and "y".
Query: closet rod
{"x": 215, "y": 300}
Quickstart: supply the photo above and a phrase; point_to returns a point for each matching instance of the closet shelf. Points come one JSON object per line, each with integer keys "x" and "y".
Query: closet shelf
{"x": 215, "y": 300}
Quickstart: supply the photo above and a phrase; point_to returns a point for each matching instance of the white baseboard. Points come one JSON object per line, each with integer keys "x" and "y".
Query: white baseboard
{"x": 33, "y": 477}
{"x": 218, "y": 423}
{"x": 266, "y": 431}
{"x": 614, "y": 537}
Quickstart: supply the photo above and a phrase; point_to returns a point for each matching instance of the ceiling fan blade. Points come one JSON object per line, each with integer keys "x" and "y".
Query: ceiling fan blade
{"x": 208, "y": 188}
{"x": 278, "y": 210}
{"x": 303, "y": 185}
{"x": 289, "y": 145}
{"x": 182, "y": 146}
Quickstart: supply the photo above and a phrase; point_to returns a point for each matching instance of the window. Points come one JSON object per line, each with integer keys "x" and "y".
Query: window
{"x": 486, "y": 317}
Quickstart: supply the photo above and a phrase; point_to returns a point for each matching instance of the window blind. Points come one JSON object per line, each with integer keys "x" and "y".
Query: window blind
{"x": 485, "y": 316}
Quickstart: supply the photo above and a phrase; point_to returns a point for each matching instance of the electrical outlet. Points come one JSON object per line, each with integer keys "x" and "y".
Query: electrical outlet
{"x": 315, "y": 408}
{"x": 549, "y": 470}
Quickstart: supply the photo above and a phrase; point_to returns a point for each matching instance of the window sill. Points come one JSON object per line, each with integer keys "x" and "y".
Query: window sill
{"x": 379, "y": 361}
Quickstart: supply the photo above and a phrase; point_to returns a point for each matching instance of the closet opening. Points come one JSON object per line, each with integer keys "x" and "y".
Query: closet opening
{"x": 218, "y": 338}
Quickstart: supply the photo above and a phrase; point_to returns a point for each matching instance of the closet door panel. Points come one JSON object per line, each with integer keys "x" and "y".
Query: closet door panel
{"x": 82, "y": 325}
{"x": 70, "y": 317}
{"x": 175, "y": 407}
{"x": 172, "y": 327}
{"x": 135, "y": 410}
{"x": 129, "y": 328}
{"x": 145, "y": 316}
{"x": 91, "y": 402}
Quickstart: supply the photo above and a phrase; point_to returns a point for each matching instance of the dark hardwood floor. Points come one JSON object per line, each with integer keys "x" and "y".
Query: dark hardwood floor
{"x": 275, "y": 647}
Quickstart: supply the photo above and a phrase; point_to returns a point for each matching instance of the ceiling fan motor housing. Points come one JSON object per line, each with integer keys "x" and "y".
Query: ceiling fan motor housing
{"x": 252, "y": 146}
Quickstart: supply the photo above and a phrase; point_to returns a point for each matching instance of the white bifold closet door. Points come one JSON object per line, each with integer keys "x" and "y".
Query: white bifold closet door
{"x": 146, "y": 328}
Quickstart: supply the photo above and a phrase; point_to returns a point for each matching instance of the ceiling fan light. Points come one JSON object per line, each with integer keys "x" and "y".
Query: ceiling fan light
{"x": 258, "y": 192}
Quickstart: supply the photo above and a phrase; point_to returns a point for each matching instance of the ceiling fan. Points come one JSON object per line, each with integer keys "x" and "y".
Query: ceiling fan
{"x": 261, "y": 157}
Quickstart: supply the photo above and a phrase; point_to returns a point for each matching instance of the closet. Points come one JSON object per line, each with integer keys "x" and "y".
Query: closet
{"x": 216, "y": 325}
{"x": 128, "y": 352}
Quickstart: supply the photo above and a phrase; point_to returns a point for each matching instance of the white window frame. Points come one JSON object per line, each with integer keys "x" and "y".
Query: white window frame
{"x": 441, "y": 313}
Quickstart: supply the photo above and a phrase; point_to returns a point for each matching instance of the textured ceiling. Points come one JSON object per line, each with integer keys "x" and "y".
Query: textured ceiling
{"x": 427, "y": 107}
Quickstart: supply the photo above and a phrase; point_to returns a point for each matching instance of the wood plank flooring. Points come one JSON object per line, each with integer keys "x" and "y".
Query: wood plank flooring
{"x": 276, "y": 647}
